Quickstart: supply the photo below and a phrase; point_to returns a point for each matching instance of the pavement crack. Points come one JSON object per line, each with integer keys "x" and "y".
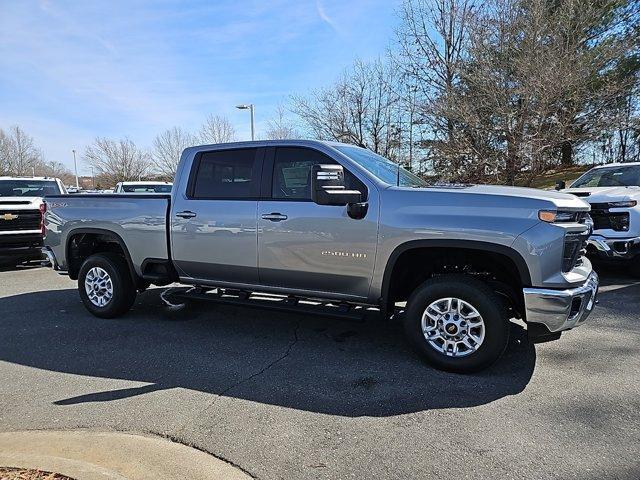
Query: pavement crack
{"x": 244, "y": 380}
{"x": 269, "y": 365}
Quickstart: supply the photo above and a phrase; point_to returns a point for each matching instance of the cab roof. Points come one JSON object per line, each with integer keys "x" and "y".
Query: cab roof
{"x": 618, "y": 164}
{"x": 142, "y": 182}
{"x": 28, "y": 178}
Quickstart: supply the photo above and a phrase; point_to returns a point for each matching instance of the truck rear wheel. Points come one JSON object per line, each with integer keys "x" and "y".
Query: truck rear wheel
{"x": 105, "y": 285}
{"x": 457, "y": 323}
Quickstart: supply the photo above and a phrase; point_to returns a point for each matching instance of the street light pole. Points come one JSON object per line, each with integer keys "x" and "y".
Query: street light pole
{"x": 253, "y": 123}
{"x": 251, "y": 108}
{"x": 75, "y": 166}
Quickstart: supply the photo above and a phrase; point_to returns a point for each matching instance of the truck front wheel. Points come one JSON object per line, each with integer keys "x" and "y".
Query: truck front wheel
{"x": 105, "y": 285}
{"x": 457, "y": 323}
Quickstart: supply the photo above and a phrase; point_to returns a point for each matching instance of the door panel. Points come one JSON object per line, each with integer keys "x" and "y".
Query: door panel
{"x": 305, "y": 246}
{"x": 317, "y": 247}
{"x": 219, "y": 243}
{"x": 214, "y": 225}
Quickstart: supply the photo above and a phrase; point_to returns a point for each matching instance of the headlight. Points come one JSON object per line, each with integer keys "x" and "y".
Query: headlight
{"x": 551, "y": 216}
{"x": 625, "y": 204}
{"x": 566, "y": 216}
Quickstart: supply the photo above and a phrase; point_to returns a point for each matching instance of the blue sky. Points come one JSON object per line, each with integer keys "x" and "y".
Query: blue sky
{"x": 71, "y": 71}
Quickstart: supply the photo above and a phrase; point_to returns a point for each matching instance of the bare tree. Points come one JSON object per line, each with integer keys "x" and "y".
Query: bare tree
{"x": 55, "y": 169}
{"x": 167, "y": 149}
{"x": 621, "y": 143}
{"x": 539, "y": 82}
{"x": 117, "y": 160}
{"x": 20, "y": 157}
{"x": 362, "y": 108}
{"x": 280, "y": 127}
{"x": 18, "y": 154}
{"x": 510, "y": 88}
{"x": 7, "y": 148}
{"x": 217, "y": 129}
{"x": 432, "y": 39}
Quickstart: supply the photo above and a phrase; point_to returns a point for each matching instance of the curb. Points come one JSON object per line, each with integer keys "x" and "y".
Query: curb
{"x": 90, "y": 455}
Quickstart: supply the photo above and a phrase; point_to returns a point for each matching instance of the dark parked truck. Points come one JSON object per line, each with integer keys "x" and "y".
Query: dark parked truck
{"x": 309, "y": 224}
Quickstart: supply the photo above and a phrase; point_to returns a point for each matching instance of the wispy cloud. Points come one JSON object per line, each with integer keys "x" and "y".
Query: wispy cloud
{"x": 326, "y": 18}
{"x": 70, "y": 71}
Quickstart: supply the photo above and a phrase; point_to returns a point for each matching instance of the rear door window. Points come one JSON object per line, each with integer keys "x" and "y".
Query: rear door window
{"x": 227, "y": 174}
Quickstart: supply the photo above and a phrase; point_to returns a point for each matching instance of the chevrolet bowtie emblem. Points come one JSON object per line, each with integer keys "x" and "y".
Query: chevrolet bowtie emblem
{"x": 9, "y": 216}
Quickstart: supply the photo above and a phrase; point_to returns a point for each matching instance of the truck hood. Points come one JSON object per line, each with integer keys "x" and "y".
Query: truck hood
{"x": 20, "y": 203}
{"x": 559, "y": 200}
{"x": 605, "y": 194}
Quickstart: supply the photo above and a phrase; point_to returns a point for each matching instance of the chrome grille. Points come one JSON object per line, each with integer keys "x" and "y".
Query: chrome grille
{"x": 575, "y": 243}
{"x": 603, "y": 218}
{"x": 574, "y": 248}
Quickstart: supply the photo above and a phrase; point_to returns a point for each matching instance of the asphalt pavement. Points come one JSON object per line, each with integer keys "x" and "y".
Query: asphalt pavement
{"x": 288, "y": 396}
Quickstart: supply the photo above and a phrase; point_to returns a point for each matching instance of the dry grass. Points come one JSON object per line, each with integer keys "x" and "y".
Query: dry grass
{"x": 569, "y": 174}
{"x": 28, "y": 474}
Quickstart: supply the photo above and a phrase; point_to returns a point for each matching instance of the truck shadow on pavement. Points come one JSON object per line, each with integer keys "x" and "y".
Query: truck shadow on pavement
{"x": 309, "y": 363}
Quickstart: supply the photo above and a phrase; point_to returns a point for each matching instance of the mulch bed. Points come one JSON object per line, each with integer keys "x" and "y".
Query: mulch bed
{"x": 27, "y": 474}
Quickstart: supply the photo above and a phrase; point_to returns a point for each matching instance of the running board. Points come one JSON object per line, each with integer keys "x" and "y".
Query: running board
{"x": 294, "y": 304}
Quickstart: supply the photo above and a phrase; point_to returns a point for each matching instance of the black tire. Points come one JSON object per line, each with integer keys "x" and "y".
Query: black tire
{"x": 8, "y": 264}
{"x": 478, "y": 294}
{"x": 633, "y": 266}
{"x": 124, "y": 290}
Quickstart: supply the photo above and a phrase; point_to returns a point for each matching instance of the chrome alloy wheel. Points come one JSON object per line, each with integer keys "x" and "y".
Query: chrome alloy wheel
{"x": 98, "y": 286}
{"x": 453, "y": 327}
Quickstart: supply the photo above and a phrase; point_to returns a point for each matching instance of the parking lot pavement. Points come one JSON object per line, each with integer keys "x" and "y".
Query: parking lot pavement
{"x": 289, "y": 396}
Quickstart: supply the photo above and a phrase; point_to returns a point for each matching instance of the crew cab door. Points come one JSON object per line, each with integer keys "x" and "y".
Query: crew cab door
{"x": 213, "y": 220}
{"x": 310, "y": 247}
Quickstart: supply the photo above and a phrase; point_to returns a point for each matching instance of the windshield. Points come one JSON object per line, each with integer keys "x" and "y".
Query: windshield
{"x": 138, "y": 188}
{"x": 384, "y": 169}
{"x": 28, "y": 188}
{"x": 626, "y": 176}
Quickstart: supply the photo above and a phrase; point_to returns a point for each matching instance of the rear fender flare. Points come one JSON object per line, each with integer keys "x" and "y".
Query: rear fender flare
{"x": 107, "y": 233}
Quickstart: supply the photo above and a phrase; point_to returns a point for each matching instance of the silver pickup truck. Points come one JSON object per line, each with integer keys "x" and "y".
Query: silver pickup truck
{"x": 331, "y": 227}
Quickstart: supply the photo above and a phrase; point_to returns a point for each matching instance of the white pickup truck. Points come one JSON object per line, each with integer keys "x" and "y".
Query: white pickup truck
{"x": 143, "y": 187}
{"x": 21, "y": 215}
{"x": 613, "y": 191}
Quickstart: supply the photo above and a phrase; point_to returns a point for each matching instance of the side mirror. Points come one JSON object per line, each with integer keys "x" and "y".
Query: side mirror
{"x": 561, "y": 185}
{"x": 328, "y": 188}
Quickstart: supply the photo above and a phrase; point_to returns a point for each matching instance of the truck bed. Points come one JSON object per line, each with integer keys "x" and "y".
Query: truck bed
{"x": 139, "y": 220}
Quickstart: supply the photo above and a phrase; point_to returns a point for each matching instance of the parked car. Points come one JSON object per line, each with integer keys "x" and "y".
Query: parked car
{"x": 21, "y": 213}
{"x": 143, "y": 187}
{"x": 613, "y": 191}
{"x": 332, "y": 228}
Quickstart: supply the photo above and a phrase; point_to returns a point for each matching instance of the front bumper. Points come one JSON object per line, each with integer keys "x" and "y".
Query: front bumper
{"x": 614, "y": 248}
{"x": 22, "y": 247}
{"x": 560, "y": 310}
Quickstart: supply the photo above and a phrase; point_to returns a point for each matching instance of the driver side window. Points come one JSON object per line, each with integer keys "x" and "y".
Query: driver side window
{"x": 292, "y": 173}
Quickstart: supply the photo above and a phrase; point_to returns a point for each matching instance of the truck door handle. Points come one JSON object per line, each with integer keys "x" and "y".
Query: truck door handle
{"x": 186, "y": 214}
{"x": 274, "y": 217}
